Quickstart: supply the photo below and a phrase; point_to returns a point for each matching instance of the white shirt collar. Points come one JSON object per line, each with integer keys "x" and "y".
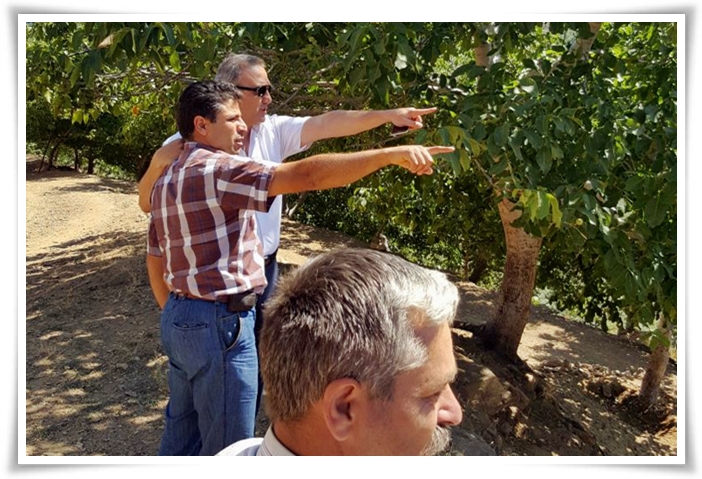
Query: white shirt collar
{"x": 271, "y": 446}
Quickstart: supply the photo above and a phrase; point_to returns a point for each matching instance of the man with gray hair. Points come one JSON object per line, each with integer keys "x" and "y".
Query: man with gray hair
{"x": 274, "y": 138}
{"x": 357, "y": 359}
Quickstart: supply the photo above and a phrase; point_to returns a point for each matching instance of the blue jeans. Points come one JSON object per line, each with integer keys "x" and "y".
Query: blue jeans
{"x": 212, "y": 379}
{"x": 272, "y": 272}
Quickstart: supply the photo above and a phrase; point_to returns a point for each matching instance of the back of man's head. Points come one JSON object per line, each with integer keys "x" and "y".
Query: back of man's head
{"x": 203, "y": 98}
{"x": 234, "y": 64}
{"x": 351, "y": 313}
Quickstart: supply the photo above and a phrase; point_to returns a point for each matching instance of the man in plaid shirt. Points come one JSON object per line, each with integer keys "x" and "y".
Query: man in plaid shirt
{"x": 203, "y": 235}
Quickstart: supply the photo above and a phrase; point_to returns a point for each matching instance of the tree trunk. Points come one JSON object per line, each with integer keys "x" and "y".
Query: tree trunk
{"x": 91, "y": 166}
{"x": 503, "y": 331}
{"x": 481, "y": 55}
{"x": 76, "y": 162}
{"x": 46, "y": 150}
{"x": 657, "y": 364}
{"x": 583, "y": 46}
{"x": 53, "y": 155}
{"x": 480, "y": 265}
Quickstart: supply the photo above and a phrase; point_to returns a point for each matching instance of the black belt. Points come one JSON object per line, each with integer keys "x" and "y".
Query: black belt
{"x": 235, "y": 302}
{"x": 270, "y": 258}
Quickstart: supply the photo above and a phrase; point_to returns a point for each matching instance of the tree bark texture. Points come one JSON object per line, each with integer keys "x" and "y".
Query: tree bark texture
{"x": 503, "y": 331}
{"x": 657, "y": 364}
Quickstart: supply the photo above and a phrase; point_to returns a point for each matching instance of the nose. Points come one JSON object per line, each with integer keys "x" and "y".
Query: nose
{"x": 450, "y": 413}
{"x": 267, "y": 97}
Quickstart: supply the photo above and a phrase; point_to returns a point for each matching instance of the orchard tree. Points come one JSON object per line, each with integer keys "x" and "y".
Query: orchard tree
{"x": 573, "y": 128}
{"x": 576, "y": 127}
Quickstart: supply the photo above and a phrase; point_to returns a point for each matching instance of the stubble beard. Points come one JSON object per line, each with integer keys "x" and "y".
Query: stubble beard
{"x": 440, "y": 440}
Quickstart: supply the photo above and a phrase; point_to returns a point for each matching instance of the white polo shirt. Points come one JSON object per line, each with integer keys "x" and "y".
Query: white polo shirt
{"x": 277, "y": 138}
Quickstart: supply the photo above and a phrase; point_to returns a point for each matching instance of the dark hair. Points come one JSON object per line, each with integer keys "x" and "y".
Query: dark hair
{"x": 203, "y": 98}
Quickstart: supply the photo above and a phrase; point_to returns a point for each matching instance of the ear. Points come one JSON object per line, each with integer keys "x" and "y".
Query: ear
{"x": 200, "y": 124}
{"x": 342, "y": 402}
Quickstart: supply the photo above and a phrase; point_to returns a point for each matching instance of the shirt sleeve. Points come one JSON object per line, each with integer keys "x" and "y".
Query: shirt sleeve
{"x": 288, "y": 131}
{"x": 243, "y": 183}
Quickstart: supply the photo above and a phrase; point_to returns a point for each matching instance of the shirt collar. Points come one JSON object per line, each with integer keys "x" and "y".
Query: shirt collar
{"x": 271, "y": 446}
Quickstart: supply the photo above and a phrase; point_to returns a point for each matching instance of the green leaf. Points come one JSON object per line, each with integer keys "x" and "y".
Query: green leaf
{"x": 474, "y": 147}
{"x": 492, "y": 148}
{"x": 454, "y": 159}
{"x": 479, "y": 132}
{"x": 456, "y": 134}
{"x": 533, "y": 138}
{"x": 174, "y": 61}
{"x": 543, "y": 159}
{"x": 169, "y": 34}
{"x": 532, "y": 203}
{"x": 445, "y": 136}
{"x": 556, "y": 213}
{"x": 77, "y": 116}
{"x": 464, "y": 159}
{"x": 75, "y": 75}
{"x": 543, "y": 205}
{"x": 655, "y": 211}
{"x": 77, "y": 40}
{"x": 515, "y": 144}
{"x": 634, "y": 183}
{"x": 556, "y": 151}
{"x": 542, "y": 124}
{"x": 498, "y": 167}
{"x": 144, "y": 40}
{"x": 501, "y": 134}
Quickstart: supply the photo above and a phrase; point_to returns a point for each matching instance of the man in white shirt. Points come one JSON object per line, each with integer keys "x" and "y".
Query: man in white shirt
{"x": 275, "y": 138}
{"x": 357, "y": 357}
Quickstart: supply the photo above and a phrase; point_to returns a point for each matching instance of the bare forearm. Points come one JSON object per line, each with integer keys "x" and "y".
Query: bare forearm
{"x": 146, "y": 185}
{"x": 322, "y": 172}
{"x": 332, "y": 170}
{"x": 335, "y": 124}
{"x": 160, "y": 289}
{"x": 161, "y": 160}
{"x": 340, "y": 123}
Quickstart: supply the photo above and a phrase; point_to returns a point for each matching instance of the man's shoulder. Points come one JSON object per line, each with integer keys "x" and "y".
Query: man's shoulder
{"x": 245, "y": 447}
{"x": 276, "y": 121}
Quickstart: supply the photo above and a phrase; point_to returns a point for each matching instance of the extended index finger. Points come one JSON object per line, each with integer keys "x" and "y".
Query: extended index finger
{"x": 424, "y": 111}
{"x": 438, "y": 150}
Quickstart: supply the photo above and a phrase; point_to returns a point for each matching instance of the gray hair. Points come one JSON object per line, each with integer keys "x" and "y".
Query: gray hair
{"x": 351, "y": 313}
{"x": 234, "y": 64}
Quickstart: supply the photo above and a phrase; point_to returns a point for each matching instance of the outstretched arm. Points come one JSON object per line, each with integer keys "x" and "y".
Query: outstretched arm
{"x": 163, "y": 157}
{"x": 332, "y": 170}
{"x": 338, "y": 123}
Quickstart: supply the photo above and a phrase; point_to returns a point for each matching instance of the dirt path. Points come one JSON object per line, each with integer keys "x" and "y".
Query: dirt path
{"x": 96, "y": 372}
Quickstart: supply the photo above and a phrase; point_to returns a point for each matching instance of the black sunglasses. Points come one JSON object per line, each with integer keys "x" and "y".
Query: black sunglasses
{"x": 260, "y": 90}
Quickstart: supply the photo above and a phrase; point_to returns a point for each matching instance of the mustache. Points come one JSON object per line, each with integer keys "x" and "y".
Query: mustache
{"x": 440, "y": 440}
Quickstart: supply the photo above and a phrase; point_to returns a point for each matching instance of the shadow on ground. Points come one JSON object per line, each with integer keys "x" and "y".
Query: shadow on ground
{"x": 93, "y": 359}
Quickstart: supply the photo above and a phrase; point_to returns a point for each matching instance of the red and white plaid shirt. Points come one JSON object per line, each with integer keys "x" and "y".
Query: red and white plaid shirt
{"x": 203, "y": 224}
